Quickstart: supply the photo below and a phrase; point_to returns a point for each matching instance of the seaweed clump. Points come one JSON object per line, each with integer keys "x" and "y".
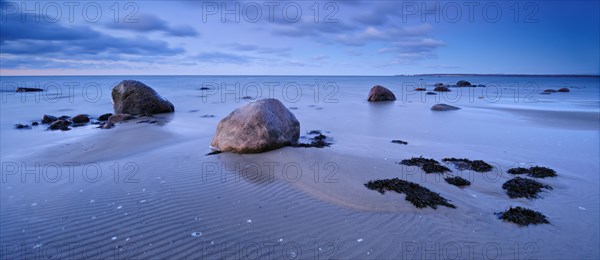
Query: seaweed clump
{"x": 318, "y": 141}
{"x": 457, "y": 181}
{"x": 524, "y": 188}
{"x": 476, "y": 165}
{"x": 523, "y": 216}
{"x": 416, "y": 194}
{"x": 541, "y": 172}
{"x": 535, "y": 171}
{"x": 518, "y": 170}
{"x": 399, "y": 142}
{"x": 428, "y": 165}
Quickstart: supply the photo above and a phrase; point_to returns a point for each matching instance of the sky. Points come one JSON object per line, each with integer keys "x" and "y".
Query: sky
{"x": 298, "y": 37}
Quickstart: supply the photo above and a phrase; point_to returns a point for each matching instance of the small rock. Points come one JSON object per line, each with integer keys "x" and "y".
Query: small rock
{"x": 80, "y": 119}
{"x": 104, "y": 117}
{"x": 399, "y": 142}
{"x": 107, "y": 125}
{"x": 117, "y": 118}
{"x": 60, "y": 125}
{"x": 29, "y": 89}
{"x": 550, "y": 91}
{"x": 441, "y": 89}
{"x": 20, "y": 126}
{"x": 431, "y": 93}
{"x": 463, "y": 83}
{"x": 564, "y": 90}
{"x": 47, "y": 119}
{"x": 420, "y": 89}
{"x": 381, "y": 93}
{"x": 35, "y": 123}
{"x": 444, "y": 107}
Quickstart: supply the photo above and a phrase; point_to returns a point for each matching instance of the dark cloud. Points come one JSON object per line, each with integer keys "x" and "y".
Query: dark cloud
{"x": 31, "y": 39}
{"x": 152, "y": 23}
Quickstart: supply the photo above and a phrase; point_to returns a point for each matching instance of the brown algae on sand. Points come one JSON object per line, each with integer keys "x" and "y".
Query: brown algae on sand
{"x": 524, "y": 188}
{"x": 464, "y": 163}
{"x": 418, "y": 195}
{"x": 457, "y": 181}
{"x": 535, "y": 171}
{"x": 523, "y": 216}
{"x": 426, "y": 164}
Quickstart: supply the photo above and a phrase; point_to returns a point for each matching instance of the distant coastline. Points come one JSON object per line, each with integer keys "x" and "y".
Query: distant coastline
{"x": 511, "y": 75}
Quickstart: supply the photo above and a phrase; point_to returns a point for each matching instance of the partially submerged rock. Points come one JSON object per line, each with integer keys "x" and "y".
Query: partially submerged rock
{"x": 550, "y": 90}
{"x": 564, "y": 90}
{"x": 118, "y": 118}
{"x": 420, "y": 89}
{"x": 47, "y": 119}
{"x": 443, "y": 107}
{"x": 457, "y": 181}
{"x": 399, "y": 142}
{"x": 535, "y": 171}
{"x": 524, "y": 188}
{"x": 419, "y": 196}
{"x": 80, "y": 119}
{"x": 463, "y": 83}
{"x": 134, "y": 97}
{"x": 431, "y": 93}
{"x": 29, "y": 89}
{"x": 441, "y": 89}
{"x": 21, "y": 126}
{"x": 104, "y": 117}
{"x": 464, "y": 163}
{"x": 523, "y": 216}
{"x": 318, "y": 141}
{"x": 259, "y": 126}
{"x": 427, "y": 165}
{"x": 381, "y": 93}
{"x": 60, "y": 124}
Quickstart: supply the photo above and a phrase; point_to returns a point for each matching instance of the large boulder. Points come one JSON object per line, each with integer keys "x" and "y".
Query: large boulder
{"x": 259, "y": 126}
{"x": 444, "y": 107}
{"x": 463, "y": 83}
{"x": 381, "y": 93}
{"x": 134, "y": 97}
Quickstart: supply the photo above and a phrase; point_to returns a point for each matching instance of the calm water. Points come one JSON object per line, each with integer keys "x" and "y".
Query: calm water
{"x": 172, "y": 212}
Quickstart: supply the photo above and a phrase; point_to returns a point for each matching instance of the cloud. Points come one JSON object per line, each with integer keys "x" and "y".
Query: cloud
{"x": 283, "y": 51}
{"x": 391, "y": 34}
{"x": 221, "y": 57}
{"x": 54, "y": 41}
{"x": 152, "y": 23}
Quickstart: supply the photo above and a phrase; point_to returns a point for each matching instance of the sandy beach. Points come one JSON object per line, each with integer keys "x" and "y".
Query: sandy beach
{"x": 142, "y": 190}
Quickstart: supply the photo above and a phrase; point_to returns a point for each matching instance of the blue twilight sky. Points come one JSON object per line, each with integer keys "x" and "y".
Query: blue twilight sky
{"x": 298, "y": 37}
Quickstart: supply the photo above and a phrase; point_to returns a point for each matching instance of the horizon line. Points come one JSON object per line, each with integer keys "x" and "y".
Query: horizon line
{"x": 308, "y": 75}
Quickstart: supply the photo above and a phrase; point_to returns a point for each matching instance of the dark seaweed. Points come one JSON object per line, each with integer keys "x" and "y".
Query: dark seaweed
{"x": 419, "y": 196}
{"x": 457, "y": 181}
{"x": 523, "y": 216}
{"x": 428, "y": 165}
{"x": 476, "y": 165}
{"x": 524, "y": 188}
